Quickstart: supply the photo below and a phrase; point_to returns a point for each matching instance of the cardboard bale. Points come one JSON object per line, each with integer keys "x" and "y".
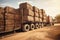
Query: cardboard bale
{"x": 1, "y": 28}
{"x": 9, "y": 22}
{"x": 9, "y": 16}
{"x": 18, "y": 14}
{"x": 36, "y": 14}
{"x": 36, "y": 19}
{"x": 9, "y": 9}
{"x": 44, "y": 18}
{"x": 49, "y": 19}
{"x": 40, "y": 19}
{"x": 9, "y": 27}
{"x": 20, "y": 11}
{"x": 1, "y": 25}
{"x": 45, "y": 15}
{"x": 40, "y": 13}
{"x": 40, "y": 16}
{"x": 28, "y": 18}
{"x": 17, "y": 17}
{"x": 1, "y": 22}
{"x": 1, "y": 10}
{"x": 1, "y": 13}
{"x": 1, "y": 19}
{"x": 42, "y": 10}
{"x": 44, "y": 21}
{"x": 26, "y": 6}
{"x": 35, "y": 9}
{"x": 28, "y": 12}
{"x": 1, "y": 16}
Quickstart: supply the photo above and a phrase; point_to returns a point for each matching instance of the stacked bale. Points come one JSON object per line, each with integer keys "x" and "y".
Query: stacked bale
{"x": 27, "y": 11}
{"x": 44, "y": 16}
{"x": 36, "y": 14}
{"x": 9, "y": 18}
{"x": 25, "y": 5}
{"x": 17, "y": 18}
{"x": 49, "y": 19}
{"x": 1, "y": 19}
{"x": 40, "y": 15}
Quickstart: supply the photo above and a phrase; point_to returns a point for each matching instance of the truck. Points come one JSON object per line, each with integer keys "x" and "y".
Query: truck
{"x": 25, "y": 18}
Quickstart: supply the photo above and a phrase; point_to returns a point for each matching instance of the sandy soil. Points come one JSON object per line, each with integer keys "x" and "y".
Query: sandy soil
{"x": 46, "y": 33}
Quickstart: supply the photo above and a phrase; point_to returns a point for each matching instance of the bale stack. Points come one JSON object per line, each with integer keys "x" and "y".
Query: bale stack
{"x": 40, "y": 15}
{"x": 45, "y": 18}
{"x": 36, "y": 14}
{"x": 43, "y": 15}
{"x": 49, "y": 19}
{"x": 25, "y": 6}
{"x": 27, "y": 12}
{"x": 17, "y": 19}
{"x": 9, "y": 18}
{"x": 1, "y": 19}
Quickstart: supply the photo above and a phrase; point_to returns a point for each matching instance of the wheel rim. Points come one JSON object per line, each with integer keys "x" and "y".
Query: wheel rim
{"x": 37, "y": 26}
{"x": 32, "y": 26}
{"x": 26, "y": 28}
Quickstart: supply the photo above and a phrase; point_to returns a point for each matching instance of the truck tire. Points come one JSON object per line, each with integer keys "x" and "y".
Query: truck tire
{"x": 40, "y": 25}
{"x": 26, "y": 28}
{"x": 36, "y": 26}
{"x": 32, "y": 26}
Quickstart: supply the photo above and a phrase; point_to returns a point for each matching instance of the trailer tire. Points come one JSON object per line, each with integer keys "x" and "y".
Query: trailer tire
{"x": 36, "y": 25}
{"x": 26, "y": 28}
{"x": 40, "y": 25}
{"x": 32, "y": 26}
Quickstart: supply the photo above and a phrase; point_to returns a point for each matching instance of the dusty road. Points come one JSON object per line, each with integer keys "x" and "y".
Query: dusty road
{"x": 46, "y": 33}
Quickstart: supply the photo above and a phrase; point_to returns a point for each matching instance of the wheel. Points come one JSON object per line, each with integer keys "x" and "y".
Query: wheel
{"x": 25, "y": 28}
{"x": 36, "y": 26}
{"x": 40, "y": 25}
{"x": 32, "y": 26}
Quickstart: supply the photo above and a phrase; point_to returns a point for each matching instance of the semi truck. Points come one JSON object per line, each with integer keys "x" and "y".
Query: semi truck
{"x": 25, "y": 18}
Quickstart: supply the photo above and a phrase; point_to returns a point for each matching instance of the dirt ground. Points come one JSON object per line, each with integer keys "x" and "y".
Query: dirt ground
{"x": 46, "y": 33}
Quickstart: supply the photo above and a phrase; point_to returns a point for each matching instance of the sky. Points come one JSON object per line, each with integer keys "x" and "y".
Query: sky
{"x": 51, "y": 7}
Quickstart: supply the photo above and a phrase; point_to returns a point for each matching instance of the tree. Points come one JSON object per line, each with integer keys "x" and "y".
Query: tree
{"x": 57, "y": 18}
